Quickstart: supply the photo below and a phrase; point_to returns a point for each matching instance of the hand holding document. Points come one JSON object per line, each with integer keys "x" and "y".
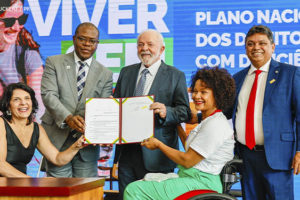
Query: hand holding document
{"x": 118, "y": 120}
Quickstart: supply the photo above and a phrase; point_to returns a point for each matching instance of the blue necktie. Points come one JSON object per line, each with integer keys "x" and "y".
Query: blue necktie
{"x": 81, "y": 79}
{"x": 139, "y": 90}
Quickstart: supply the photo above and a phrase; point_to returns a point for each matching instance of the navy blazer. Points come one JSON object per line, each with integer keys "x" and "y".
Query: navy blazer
{"x": 169, "y": 88}
{"x": 281, "y": 113}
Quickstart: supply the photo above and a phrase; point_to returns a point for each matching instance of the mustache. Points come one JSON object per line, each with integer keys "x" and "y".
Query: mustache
{"x": 146, "y": 52}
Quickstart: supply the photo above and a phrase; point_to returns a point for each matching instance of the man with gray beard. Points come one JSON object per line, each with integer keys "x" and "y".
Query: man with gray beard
{"x": 171, "y": 107}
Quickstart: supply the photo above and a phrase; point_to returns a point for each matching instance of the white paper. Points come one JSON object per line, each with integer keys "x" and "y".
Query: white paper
{"x": 102, "y": 118}
{"x": 137, "y": 119}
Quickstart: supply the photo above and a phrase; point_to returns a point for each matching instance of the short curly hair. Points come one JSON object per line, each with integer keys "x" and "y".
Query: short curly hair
{"x": 221, "y": 83}
{"x": 6, "y": 97}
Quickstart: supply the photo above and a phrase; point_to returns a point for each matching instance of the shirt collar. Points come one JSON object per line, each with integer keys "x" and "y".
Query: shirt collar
{"x": 87, "y": 61}
{"x": 264, "y": 68}
{"x": 152, "y": 69}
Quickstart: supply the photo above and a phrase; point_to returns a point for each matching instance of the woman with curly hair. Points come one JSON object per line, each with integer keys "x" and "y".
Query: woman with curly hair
{"x": 208, "y": 147}
{"x": 19, "y": 53}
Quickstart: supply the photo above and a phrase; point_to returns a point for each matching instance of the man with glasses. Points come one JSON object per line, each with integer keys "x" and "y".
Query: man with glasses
{"x": 67, "y": 81}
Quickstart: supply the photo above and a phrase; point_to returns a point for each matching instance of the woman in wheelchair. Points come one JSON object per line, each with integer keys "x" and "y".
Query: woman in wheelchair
{"x": 208, "y": 147}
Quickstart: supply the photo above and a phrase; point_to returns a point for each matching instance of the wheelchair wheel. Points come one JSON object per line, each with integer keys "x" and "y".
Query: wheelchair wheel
{"x": 212, "y": 196}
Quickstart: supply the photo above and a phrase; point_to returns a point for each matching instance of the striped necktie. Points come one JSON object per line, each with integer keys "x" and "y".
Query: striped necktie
{"x": 81, "y": 78}
{"x": 139, "y": 90}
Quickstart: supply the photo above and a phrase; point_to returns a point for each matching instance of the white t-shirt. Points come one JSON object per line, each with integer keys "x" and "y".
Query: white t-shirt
{"x": 213, "y": 139}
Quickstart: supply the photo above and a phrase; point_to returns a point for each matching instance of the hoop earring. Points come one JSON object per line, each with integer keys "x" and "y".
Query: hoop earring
{"x": 8, "y": 112}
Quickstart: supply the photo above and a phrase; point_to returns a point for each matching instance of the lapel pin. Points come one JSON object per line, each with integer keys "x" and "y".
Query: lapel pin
{"x": 276, "y": 72}
{"x": 272, "y": 81}
{"x": 68, "y": 67}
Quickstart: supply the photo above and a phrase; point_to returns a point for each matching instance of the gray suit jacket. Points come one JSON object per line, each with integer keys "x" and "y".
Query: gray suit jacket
{"x": 59, "y": 94}
{"x": 169, "y": 88}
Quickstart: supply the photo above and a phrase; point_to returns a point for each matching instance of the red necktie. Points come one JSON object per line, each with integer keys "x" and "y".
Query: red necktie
{"x": 250, "y": 136}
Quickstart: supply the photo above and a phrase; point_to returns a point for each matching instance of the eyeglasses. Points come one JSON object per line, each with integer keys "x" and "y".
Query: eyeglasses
{"x": 9, "y": 22}
{"x": 85, "y": 40}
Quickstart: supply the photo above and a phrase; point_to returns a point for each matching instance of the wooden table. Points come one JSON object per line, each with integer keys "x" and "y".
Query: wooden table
{"x": 51, "y": 188}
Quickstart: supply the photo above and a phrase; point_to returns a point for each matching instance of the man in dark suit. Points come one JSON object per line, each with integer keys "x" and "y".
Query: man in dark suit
{"x": 67, "y": 81}
{"x": 266, "y": 118}
{"x": 171, "y": 107}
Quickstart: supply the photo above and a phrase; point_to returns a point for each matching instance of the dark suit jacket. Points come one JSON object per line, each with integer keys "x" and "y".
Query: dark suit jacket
{"x": 169, "y": 88}
{"x": 281, "y": 113}
{"x": 59, "y": 94}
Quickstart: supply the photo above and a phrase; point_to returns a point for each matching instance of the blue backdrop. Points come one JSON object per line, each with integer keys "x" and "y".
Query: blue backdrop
{"x": 197, "y": 33}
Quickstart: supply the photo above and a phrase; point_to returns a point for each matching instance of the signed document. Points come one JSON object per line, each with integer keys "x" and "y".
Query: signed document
{"x": 118, "y": 120}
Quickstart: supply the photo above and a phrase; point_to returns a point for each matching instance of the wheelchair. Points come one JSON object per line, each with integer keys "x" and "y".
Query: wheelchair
{"x": 230, "y": 175}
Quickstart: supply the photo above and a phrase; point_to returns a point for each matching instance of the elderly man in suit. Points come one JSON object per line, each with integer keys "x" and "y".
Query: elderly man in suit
{"x": 171, "y": 107}
{"x": 67, "y": 81}
{"x": 266, "y": 118}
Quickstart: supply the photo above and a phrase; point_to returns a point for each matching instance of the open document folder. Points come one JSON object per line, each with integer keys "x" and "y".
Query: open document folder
{"x": 118, "y": 120}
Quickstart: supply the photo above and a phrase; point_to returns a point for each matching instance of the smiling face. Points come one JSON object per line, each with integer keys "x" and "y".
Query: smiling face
{"x": 20, "y": 104}
{"x": 83, "y": 45}
{"x": 259, "y": 49}
{"x": 8, "y": 35}
{"x": 150, "y": 47}
{"x": 203, "y": 98}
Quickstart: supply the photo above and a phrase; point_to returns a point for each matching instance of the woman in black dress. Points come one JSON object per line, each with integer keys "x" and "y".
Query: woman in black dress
{"x": 19, "y": 135}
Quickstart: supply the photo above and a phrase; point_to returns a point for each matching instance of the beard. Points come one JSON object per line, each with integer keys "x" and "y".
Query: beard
{"x": 148, "y": 60}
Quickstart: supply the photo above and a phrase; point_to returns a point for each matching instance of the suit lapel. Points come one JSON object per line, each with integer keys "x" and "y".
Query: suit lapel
{"x": 159, "y": 79}
{"x": 70, "y": 69}
{"x": 239, "y": 80}
{"x": 273, "y": 74}
{"x": 132, "y": 81}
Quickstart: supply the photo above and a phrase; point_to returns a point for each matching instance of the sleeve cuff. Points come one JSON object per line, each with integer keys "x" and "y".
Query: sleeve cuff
{"x": 63, "y": 125}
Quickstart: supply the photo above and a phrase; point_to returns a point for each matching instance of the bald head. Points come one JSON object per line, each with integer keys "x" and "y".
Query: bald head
{"x": 156, "y": 35}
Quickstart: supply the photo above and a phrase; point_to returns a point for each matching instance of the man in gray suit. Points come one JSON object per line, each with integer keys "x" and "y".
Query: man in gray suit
{"x": 171, "y": 107}
{"x": 67, "y": 81}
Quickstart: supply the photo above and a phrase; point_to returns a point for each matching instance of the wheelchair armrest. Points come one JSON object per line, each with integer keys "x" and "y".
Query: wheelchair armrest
{"x": 235, "y": 161}
{"x": 231, "y": 174}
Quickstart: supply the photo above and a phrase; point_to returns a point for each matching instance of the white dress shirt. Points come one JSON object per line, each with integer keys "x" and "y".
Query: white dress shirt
{"x": 240, "y": 121}
{"x": 149, "y": 77}
{"x": 87, "y": 62}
